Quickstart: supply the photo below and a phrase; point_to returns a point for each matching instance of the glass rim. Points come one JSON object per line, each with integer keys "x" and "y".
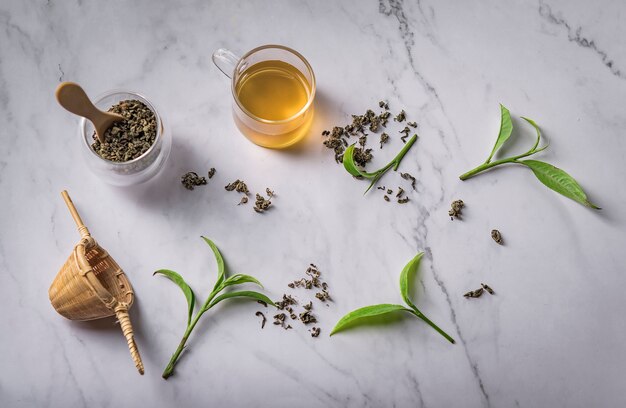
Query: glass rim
{"x": 289, "y": 50}
{"x": 150, "y": 105}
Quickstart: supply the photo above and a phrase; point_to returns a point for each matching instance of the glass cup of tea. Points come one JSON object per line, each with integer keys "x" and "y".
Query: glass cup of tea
{"x": 273, "y": 89}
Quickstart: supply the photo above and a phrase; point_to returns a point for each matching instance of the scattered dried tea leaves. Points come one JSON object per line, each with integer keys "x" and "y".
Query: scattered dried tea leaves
{"x": 211, "y": 172}
{"x": 323, "y": 295}
{"x": 337, "y": 138}
{"x": 456, "y": 209}
{"x": 238, "y": 186}
{"x": 287, "y": 301}
{"x": 244, "y": 200}
{"x": 474, "y": 293}
{"x": 400, "y": 117}
{"x": 487, "y": 288}
{"x": 305, "y": 315}
{"x": 401, "y": 198}
{"x": 384, "y": 138}
{"x": 497, "y": 236}
{"x": 315, "y": 331}
{"x": 478, "y": 292}
{"x": 263, "y": 319}
{"x": 362, "y": 156}
{"x": 407, "y": 176}
{"x": 191, "y": 180}
{"x": 406, "y": 132}
{"x": 128, "y": 139}
{"x": 261, "y": 204}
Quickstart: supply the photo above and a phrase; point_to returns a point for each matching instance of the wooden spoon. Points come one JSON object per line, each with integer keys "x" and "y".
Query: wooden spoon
{"x": 73, "y": 98}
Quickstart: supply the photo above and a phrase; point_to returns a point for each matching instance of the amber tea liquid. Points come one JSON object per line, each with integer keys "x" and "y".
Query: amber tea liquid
{"x": 273, "y": 91}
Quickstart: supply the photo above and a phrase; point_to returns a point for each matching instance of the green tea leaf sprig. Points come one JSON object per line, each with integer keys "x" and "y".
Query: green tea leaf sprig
{"x": 385, "y": 308}
{"x": 216, "y": 296}
{"x": 551, "y": 176}
{"x": 351, "y": 167}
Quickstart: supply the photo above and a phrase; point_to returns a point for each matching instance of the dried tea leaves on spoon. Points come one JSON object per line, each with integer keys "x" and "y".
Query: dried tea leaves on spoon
{"x": 128, "y": 139}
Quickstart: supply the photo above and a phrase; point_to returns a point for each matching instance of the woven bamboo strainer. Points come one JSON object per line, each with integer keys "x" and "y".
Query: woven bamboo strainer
{"x": 91, "y": 285}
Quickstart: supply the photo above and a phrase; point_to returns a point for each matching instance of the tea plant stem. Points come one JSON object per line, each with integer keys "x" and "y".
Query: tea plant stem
{"x": 404, "y": 150}
{"x": 434, "y": 326}
{"x": 169, "y": 370}
{"x": 487, "y": 166}
{"x": 395, "y": 163}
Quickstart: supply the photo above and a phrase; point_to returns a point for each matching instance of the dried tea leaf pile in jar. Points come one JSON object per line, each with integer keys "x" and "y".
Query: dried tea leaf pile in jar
{"x": 127, "y": 140}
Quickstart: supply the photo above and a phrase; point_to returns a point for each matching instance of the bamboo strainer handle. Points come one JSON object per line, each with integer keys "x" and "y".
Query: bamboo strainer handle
{"x": 82, "y": 229}
{"x": 121, "y": 311}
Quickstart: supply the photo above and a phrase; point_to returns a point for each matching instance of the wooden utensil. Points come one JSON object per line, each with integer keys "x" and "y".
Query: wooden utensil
{"x": 73, "y": 98}
{"x": 91, "y": 285}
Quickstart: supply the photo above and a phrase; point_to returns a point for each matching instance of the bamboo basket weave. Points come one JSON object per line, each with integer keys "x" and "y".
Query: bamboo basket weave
{"x": 91, "y": 285}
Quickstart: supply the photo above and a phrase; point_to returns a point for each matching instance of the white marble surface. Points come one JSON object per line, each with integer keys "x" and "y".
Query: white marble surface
{"x": 553, "y": 335}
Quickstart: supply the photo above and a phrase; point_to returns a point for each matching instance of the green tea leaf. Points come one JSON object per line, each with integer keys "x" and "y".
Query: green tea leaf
{"x": 244, "y": 293}
{"x": 221, "y": 270}
{"x": 405, "y": 276}
{"x": 534, "y": 149}
{"x": 177, "y": 279}
{"x": 351, "y": 167}
{"x": 506, "y": 128}
{"x": 559, "y": 181}
{"x": 367, "y": 311}
{"x": 348, "y": 162}
{"x": 210, "y": 301}
{"x": 239, "y": 278}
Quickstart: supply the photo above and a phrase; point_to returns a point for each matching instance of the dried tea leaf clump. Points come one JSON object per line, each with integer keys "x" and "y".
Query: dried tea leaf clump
{"x": 478, "y": 292}
{"x": 191, "y": 180}
{"x": 128, "y": 139}
{"x": 407, "y": 176}
{"x": 263, "y": 318}
{"x": 261, "y": 204}
{"x": 456, "y": 209}
{"x": 238, "y": 186}
{"x": 497, "y": 236}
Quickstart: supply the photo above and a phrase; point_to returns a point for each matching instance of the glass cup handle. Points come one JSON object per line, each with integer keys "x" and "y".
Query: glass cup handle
{"x": 226, "y": 61}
